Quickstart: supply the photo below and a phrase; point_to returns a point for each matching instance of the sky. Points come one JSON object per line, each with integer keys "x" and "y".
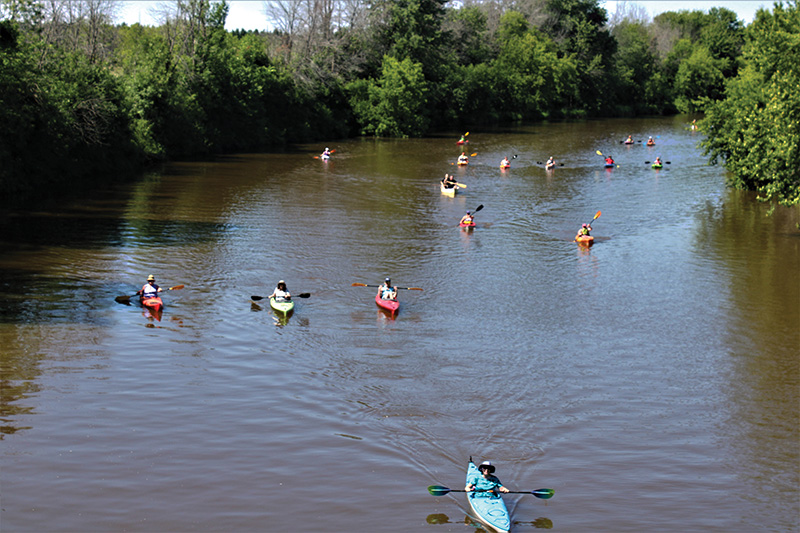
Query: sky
{"x": 249, "y": 14}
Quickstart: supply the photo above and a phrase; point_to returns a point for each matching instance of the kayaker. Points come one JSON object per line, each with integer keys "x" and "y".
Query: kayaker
{"x": 463, "y": 139}
{"x": 463, "y": 159}
{"x": 326, "y": 154}
{"x": 694, "y": 124}
{"x": 505, "y": 162}
{"x": 387, "y": 291}
{"x": 585, "y": 230}
{"x": 449, "y": 181}
{"x": 550, "y": 163}
{"x": 609, "y": 160}
{"x": 650, "y": 141}
{"x": 629, "y": 140}
{"x": 487, "y": 482}
{"x": 281, "y": 293}
{"x": 150, "y": 289}
{"x": 657, "y": 161}
{"x": 467, "y": 219}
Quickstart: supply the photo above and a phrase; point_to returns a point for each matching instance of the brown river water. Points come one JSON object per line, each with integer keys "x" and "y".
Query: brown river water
{"x": 652, "y": 380}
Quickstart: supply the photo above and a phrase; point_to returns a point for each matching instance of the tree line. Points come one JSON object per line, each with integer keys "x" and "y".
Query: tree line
{"x": 82, "y": 96}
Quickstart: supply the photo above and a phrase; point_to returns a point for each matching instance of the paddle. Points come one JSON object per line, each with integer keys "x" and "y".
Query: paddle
{"x": 598, "y": 152}
{"x": 301, "y": 295}
{"x": 596, "y": 216}
{"x": 403, "y": 288}
{"x": 664, "y": 162}
{"x": 126, "y": 299}
{"x": 544, "y": 494}
{"x": 317, "y": 157}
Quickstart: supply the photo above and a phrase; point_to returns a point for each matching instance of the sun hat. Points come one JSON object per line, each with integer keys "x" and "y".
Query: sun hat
{"x": 487, "y": 465}
{"x": 151, "y": 278}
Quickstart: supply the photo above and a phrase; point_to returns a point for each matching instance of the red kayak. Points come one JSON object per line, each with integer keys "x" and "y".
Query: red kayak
{"x": 389, "y": 305}
{"x": 467, "y": 226}
{"x": 153, "y": 303}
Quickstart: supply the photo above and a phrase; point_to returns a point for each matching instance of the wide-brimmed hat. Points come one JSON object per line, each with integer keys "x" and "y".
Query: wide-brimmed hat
{"x": 151, "y": 278}
{"x": 487, "y": 465}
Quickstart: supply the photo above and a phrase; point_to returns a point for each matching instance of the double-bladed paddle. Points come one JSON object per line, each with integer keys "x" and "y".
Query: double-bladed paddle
{"x": 544, "y": 494}
{"x": 664, "y": 162}
{"x": 404, "y": 288}
{"x": 596, "y": 216}
{"x": 317, "y": 157}
{"x": 126, "y": 299}
{"x": 301, "y": 295}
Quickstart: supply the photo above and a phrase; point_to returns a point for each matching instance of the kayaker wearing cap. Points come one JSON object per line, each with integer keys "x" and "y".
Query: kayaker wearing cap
{"x": 386, "y": 291}
{"x": 150, "y": 289}
{"x": 281, "y": 293}
{"x": 467, "y": 219}
{"x": 585, "y": 230}
{"x": 326, "y": 153}
{"x": 487, "y": 483}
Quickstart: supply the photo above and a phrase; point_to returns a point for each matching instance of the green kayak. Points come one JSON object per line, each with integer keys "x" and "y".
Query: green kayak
{"x": 284, "y": 306}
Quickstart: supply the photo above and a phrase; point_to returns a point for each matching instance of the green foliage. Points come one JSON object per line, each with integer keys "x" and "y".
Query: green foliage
{"x": 395, "y": 104}
{"x": 532, "y": 80}
{"x": 755, "y": 130}
{"x": 699, "y": 80}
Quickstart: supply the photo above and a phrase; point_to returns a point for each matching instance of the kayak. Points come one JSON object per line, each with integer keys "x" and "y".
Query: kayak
{"x": 285, "y": 306}
{"x": 471, "y": 225}
{"x": 448, "y": 191}
{"x": 609, "y": 165}
{"x": 656, "y": 165}
{"x": 153, "y": 303}
{"x": 492, "y": 511}
{"x": 503, "y": 167}
{"x": 585, "y": 240}
{"x": 462, "y": 163}
{"x": 389, "y": 305}
{"x": 550, "y": 167}
{"x": 651, "y": 144}
{"x": 629, "y": 142}
{"x": 462, "y": 142}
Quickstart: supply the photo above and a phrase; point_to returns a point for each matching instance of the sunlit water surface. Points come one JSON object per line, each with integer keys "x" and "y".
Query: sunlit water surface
{"x": 651, "y": 380}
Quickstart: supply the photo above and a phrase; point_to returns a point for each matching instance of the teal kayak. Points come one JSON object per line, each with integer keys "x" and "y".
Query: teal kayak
{"x": 488, "y": 508}
{"x": 285, "y": 306}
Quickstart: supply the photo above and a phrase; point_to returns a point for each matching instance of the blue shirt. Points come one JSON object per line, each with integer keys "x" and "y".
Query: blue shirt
{"x": 482, "y": 483}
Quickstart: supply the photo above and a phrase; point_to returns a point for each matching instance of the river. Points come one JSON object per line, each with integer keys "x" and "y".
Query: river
{"x": 652, "y": 380}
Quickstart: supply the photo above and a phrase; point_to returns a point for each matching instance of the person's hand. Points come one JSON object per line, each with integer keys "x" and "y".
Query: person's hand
{"x": 502, "y": 489}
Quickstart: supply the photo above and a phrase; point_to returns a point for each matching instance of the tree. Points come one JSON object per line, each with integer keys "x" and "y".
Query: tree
{"x": 755, "y": 130}
{"x": 394, "y": 105}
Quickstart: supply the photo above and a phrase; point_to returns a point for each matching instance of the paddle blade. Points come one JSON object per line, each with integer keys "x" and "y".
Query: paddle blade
{"x": 177, "y": 287}
{"x": 438, "y": 490}
{"x": 303, "y": 295}
{"x": 544, "y": 494}
{"x": 256, "y": 298}
{"x": 597, "y": 215}
{"x": 598, "y": 152}
{"x": 122, "y": 299}
{"x": 466, "y": 134}
{"x": 473, "y": 155}
{"x": 478, "y": 208}
{"x": 461, "y": 185}
{"x": 359, "y": 285}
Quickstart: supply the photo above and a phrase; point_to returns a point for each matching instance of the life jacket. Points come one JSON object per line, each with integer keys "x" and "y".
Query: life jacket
{"x": 149, "y": 291}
